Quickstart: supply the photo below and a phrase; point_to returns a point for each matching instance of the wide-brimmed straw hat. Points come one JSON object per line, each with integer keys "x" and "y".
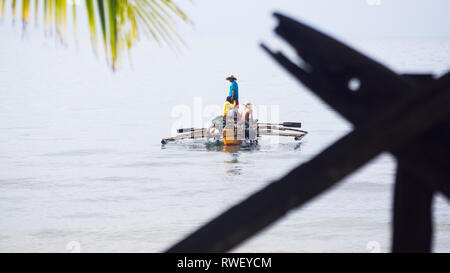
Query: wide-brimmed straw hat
{"x": 248, "y": 104}
{"x": 231, "y": 77}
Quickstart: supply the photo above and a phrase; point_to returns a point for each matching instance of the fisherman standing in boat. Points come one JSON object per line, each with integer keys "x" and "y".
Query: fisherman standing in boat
{"x": 247, "y": 118}
{"x": 228, "y": 110}
{"x": 234, "y": 90}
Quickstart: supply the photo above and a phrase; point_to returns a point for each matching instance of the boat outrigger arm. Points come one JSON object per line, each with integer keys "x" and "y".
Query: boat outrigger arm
{"x": 237, "y": 133}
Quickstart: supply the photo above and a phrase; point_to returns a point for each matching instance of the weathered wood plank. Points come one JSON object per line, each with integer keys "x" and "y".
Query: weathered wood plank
{"x": 412, "y": 215}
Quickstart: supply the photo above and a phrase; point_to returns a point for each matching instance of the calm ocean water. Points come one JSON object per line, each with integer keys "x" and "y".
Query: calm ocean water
{"x": 82, "y": 165}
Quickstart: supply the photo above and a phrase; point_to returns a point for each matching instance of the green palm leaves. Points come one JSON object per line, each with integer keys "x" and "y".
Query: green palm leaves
{"x": 114, "y": 24}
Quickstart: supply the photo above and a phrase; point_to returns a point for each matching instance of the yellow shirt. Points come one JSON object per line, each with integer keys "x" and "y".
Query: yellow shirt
{"x": 227, "y": 107}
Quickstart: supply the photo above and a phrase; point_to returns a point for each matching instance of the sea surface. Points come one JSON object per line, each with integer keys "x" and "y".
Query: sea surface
{"x": 82, "y": 167}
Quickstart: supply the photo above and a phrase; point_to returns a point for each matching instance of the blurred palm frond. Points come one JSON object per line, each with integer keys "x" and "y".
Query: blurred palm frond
{"x": 117, "y": 24}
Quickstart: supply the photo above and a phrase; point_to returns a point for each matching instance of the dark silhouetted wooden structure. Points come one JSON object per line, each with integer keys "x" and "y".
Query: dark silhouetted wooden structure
{"x": 406, "y": 115}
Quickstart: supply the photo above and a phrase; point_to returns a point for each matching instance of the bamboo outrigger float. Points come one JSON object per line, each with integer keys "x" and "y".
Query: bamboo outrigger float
{"x": 236, "y": 133}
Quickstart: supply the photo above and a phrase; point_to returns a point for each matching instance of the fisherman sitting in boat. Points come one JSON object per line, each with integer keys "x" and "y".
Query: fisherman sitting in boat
{"x": 247, "y": 117}
{"x": 234, "y": 90}
{"x": 228, "y": 110}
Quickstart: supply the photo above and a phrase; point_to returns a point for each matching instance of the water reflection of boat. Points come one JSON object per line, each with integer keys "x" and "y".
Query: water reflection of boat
{"x": 238, "y": 133}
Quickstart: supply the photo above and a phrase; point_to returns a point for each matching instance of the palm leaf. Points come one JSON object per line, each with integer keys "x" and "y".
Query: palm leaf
{"x": 117, "y": 23}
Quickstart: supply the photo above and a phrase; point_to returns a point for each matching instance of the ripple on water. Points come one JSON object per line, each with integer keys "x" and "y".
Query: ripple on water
{"x": 50, "y": 233}
{"x": 81, "y": 152}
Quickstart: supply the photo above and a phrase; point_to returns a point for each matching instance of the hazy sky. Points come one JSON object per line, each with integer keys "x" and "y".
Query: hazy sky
{"x": 233, "y": 24}
{"x": 347, "y": 18}
{"x": 363, "y": 18}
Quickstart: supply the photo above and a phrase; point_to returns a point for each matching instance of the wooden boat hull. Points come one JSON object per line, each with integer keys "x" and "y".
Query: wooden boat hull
{"x": 230, "y": 138}
{"x": 238, "y": 133}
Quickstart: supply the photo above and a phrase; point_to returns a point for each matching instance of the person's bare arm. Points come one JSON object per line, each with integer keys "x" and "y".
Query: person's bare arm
{"x": 247, "y": 116}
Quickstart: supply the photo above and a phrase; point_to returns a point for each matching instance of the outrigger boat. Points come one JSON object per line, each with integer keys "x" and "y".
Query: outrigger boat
{"x": 237, "y": 133}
